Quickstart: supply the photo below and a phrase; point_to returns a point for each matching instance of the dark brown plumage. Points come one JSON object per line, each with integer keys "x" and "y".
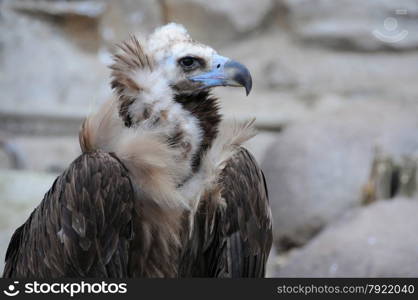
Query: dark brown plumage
{"x": 233, "y": 239}
{"x": 206, "y": 108}
{"x": 103, "y": 234}
{"x": 82, "y": 227}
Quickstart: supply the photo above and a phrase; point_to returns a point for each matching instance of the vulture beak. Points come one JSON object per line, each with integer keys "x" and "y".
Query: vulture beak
{"x": 225, "y": 72}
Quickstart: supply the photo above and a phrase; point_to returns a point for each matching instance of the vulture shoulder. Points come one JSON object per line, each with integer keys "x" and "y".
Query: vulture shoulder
{"x": 86, "y": 226}
{"x": 82, "y": 226}
{"x": 233, "y": 225}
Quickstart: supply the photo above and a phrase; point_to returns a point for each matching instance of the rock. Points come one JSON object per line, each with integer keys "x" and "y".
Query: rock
{"x": 47, "y": 154}
{"x": 44, "y": 70}
{"x": 11, "y": 156}
{"x": 278, "y": 76}
{"x": 279, "y": 64}
{"x": 227, "y": 20}
{"x": 62, "y": 49}
{"x": 360, "y": 25}
{"x": 376, "y": 241}
{"x": 316, "y": 169}
{"x": 124, "y": 17}
{"x": 47, "y": 123}
{"x": 76, "y": 20}
{"x": 273, "y": 110}
{"x": 271, "y": 266}
{"x": 90, "y": 9}
{"x": 259, "y": 144}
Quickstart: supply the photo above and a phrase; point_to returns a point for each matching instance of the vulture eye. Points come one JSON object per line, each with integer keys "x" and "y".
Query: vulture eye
{"x": 189, "y": 63}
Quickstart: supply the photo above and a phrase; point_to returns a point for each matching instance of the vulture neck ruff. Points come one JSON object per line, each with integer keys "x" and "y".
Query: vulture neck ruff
{"x": 155, "y": 163}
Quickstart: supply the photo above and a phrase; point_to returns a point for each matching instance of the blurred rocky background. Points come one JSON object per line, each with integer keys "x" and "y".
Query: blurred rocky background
{"x": 335, "y": 96}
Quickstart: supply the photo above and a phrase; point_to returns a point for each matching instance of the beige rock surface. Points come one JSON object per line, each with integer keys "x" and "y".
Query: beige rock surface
{"x": 376, "y": 241}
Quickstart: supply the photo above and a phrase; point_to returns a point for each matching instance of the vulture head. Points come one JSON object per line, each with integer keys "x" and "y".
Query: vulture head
{"x": 171, "y": 63}
{"x": 189, "y": 66}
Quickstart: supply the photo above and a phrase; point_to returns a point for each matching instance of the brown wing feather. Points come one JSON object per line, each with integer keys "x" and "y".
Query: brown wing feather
{"x": 82, "y": 227}
{"x": 232, "y": 239}
{"x": 248, "y": 218}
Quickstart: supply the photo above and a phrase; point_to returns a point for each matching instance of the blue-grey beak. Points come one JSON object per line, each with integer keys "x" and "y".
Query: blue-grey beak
{"x": 225, "y": 72}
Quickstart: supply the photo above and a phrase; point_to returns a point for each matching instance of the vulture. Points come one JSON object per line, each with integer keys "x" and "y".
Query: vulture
{"x": 163, "y": 187}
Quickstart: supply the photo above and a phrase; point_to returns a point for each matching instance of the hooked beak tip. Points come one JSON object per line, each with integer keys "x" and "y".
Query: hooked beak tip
{"x": 248, "y": 88}
{"x": 239, "y": 73}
